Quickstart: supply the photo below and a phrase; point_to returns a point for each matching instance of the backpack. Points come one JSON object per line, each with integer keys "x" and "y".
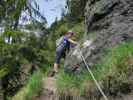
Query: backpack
{"x": 59, "y": 41}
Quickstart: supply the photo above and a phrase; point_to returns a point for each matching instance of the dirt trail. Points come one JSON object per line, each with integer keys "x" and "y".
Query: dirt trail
{"x": 50, "y": 84}
{"x": 49, "y": 90}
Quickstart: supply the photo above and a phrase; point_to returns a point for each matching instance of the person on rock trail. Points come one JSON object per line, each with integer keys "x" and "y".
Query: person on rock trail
{"x": 64, "y": 44}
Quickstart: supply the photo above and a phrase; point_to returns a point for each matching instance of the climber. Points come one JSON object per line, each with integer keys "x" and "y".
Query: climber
{"x": 62, "y": 48}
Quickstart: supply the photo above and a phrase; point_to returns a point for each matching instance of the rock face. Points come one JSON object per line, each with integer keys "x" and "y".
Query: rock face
{"x": 110, "y": 22}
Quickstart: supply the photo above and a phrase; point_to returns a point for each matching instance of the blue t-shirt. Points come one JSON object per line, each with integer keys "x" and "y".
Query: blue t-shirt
{"x": 65, "y": 44}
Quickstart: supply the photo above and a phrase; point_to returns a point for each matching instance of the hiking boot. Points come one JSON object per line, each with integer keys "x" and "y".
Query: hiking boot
{"x": 52, "y": 74}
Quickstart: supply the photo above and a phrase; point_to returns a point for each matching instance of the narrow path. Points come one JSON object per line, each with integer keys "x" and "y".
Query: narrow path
{"x": 49, "y": 90}
{"x": 50, "y": 84}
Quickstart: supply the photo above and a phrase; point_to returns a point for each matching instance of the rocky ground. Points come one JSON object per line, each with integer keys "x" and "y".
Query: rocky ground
{"x": 49, "y": 90}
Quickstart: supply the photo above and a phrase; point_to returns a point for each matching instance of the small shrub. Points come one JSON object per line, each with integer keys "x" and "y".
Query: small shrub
{"x": 33, "y": 87}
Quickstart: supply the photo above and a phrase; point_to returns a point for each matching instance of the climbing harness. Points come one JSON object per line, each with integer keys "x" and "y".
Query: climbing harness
{"x": 92, "y": 75}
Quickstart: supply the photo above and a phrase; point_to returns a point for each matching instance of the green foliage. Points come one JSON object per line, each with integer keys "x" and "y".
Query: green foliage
{"x": 35, "y": 25}
{"x": 79, "y": 30}
{"x": 2, "y": 40}
{"x": 63, "y": 27}
{"x": 116, "y": 64}
{"x": 16, "y": 35}
{"x": 76, "y": 10}
{"x": 4, "y": 71}
{"x": 70, "y": 83}
{"x": 35, "y": 85}
{"x": 113, "y": 63}
{"x": 10, "y": 55}
{"x": 11, "y": 11}
{"x": 32, "y": 88}
{"x": 24, "y": 49}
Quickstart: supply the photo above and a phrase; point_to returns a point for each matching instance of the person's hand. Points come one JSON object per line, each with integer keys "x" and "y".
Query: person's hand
{"x": 87, "y": 43}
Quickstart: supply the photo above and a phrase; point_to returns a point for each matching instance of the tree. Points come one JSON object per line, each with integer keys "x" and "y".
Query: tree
{"x": 11, "y": 11}
{"x": 23, "y": 47}
{"x": 76, "y": 9}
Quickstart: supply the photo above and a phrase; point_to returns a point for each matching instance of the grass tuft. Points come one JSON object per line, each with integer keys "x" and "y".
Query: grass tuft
{"x": 113, "y": 64}
{"x": 33, "y": 87}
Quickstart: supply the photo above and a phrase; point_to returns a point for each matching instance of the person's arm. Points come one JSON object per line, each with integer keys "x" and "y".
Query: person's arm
{"x": 72, "y": 41}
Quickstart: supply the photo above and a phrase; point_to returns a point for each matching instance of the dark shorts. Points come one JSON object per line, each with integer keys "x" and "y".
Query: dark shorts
{"x": 58, "y": 57}
{"x": 61, "y": 49}
{"x": 59, "y": 54}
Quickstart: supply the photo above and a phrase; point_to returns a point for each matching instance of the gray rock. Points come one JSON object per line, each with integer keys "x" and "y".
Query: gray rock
{"x": 112, "y": 21}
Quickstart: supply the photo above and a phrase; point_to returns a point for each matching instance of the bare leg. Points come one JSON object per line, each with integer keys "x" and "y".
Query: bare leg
{"x": 56, "y": 67}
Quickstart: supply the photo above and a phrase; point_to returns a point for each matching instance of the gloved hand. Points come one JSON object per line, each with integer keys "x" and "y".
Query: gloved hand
{"x": 86, "y": 44}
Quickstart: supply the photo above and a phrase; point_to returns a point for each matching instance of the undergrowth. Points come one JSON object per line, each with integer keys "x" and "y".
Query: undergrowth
{"x": 113, "y": 64}
{"x": 32, "y": 88}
